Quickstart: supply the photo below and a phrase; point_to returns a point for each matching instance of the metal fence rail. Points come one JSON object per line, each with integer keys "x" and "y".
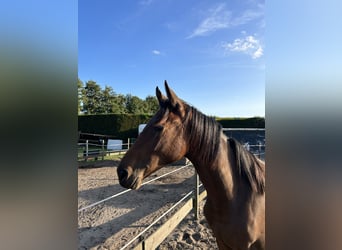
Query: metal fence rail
{"x": 191, "y": 202}
{"x": 127, "y": 190}
{"x": 88, "y": 150}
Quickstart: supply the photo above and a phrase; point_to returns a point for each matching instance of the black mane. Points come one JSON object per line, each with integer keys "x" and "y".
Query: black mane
{"x": 204, "y": 134}
{"x": 204, "y": 137}
{"x": 248, "y": 166}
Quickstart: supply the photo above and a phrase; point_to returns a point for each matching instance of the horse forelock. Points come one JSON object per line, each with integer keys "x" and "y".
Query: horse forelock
{"x": 203, "y": 134}
{"x": 248, "y": 166}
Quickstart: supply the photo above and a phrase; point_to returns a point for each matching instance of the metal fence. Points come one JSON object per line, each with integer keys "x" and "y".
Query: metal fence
{"x": 253, "y": 139}
{"x": 98, "y": 149}
{"x": 179, "y": 210}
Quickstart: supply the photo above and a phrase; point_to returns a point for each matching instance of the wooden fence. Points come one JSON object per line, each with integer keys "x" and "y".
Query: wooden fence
{"x": 158, "y": 236}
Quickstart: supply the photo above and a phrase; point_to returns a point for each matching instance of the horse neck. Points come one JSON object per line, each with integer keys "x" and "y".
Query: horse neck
{"x": 211, "y": 156}
{"x": 216, "y": 176}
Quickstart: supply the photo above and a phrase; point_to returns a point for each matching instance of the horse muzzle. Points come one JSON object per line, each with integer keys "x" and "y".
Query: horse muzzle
{"x": 128, "y": 181}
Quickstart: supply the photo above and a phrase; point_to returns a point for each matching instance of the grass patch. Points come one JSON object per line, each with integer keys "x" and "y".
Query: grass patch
{"x": 113, "y": 156}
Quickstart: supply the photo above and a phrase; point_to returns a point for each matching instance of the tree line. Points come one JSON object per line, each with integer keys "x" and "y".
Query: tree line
{"x": 92, "y": 99}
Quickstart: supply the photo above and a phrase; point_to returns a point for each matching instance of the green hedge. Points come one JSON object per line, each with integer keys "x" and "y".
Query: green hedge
{"x": 123, "y": 126}
{"x": 254, "y": 122}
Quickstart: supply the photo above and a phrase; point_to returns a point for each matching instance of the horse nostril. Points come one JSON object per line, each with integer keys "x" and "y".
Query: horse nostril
{"x": 122, "y": 173}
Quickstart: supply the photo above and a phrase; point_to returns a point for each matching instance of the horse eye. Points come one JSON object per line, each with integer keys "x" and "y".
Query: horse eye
{"x": 158, "y": 128}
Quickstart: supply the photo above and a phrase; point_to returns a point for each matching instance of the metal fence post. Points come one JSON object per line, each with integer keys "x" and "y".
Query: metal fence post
{"x": 87, "y": 148}
{"x": 128, "y": 141}
{"x": 103, "y": 151}
{"x": 196, "y": 198}
{"x": 259, "y": 149}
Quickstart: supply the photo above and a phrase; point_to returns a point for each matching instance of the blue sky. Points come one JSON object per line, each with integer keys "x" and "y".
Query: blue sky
{"x": 210, "y": 52}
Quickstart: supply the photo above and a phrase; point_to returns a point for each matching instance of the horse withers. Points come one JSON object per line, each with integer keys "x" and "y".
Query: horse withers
{"x": 233, "y": 177}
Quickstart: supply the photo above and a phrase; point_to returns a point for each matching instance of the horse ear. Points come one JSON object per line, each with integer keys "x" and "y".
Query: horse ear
{"x": 173, "y": 98}
{"x": 175, "y": 102}
{"x": 161, "y": 98}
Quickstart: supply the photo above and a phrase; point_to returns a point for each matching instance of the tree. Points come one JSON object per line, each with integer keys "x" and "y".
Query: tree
{"x": 134, "y": 105}
{"x": 119, "y": 104}
{"x": 92, "y": 98}
{"x": 107, "y": 100}
{"x": 80, "y": 94}
{"x": 152, "y": 104}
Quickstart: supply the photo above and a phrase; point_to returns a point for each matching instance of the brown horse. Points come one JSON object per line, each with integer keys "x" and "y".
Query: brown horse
{"x": 233, "y": 177}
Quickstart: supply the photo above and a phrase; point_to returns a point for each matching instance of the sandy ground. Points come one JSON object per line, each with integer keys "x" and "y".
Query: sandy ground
{"x": 113, "y": 223}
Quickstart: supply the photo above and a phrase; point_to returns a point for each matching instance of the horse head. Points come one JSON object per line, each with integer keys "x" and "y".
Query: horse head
{"x": 161, "y": 142}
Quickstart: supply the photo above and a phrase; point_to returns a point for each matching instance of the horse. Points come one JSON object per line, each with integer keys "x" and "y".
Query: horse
{"x": 232, "y": 176}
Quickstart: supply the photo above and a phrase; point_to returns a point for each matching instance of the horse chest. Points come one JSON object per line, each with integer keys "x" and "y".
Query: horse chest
{"x": 229, "y": 226}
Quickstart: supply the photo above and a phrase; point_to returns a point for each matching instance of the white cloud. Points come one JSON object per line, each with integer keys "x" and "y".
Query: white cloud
{"x": 221, "y": 18}
{"x": 146, "y": 2}
{"x": 247, "y": 16}
{"x": 258, "y": 53}
{"x": 217, "y": 19}
{"x": 248, "y": 45}
{"x": 156, "y": 52}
